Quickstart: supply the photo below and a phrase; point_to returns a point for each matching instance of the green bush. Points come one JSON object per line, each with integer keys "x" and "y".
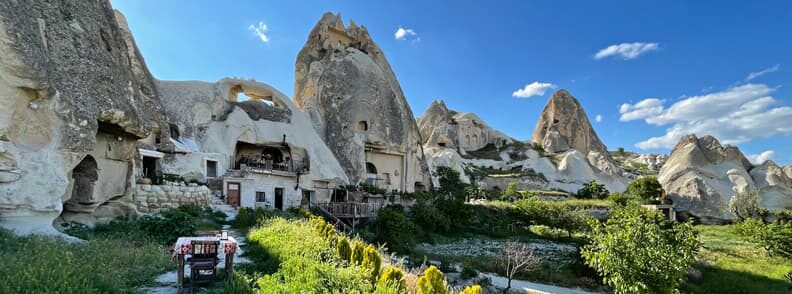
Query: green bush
{"x": 745, "y": 205}
{"x": 776, "y": 238}
{"x": 372, "y": 261}
{"x": 393, "y": 228}
{"x": 648, "y": 189}
{"x": 432, "y": 282}
{"x": 468, "y": 271}
{"x": 511, "y": 192}
{"x": 552, "y": 214}
{"x": 357, "y": 252}
{"x": 248, "y": 217}
{"x": 343, "y": 249}
{"x": 637, "y": 251}
{"x": 429, "y": 218}
{"x": 592, "y": 190}
{"x": 620, "y": 199}
{"x": 392, "y": 276}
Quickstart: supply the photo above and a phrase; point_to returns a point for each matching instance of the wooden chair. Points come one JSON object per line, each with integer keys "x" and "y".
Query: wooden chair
{"x": 203, "y": 258}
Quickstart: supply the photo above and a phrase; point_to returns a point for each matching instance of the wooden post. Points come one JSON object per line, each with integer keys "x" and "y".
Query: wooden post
{"x": 180, "y": 274}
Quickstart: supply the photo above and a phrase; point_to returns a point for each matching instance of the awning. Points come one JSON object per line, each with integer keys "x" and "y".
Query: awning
{"x": 151, "y": 153}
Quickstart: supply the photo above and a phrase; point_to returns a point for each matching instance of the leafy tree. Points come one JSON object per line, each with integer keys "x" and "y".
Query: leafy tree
{"x": 450, "y": 184}
{"x": 620, "y": 199}
{"x": 776, "y": 238}
{"x": 511, "y": 191}
{"x": 592, "y": 190}
{"x": 430, "y": 218}
{"x": 394, "y": 228}
{"x": 432, "y": 282}
{"x": 645, "y": 188}
{"x": 745, "y": 205}
{"x": 637, "y": 251}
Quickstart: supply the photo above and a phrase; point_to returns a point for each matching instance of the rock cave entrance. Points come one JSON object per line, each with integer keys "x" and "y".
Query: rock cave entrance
{"x": 84, "y": 175}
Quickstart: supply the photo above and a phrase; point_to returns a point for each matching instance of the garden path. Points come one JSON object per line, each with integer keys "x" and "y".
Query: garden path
{"x": 166, "y": 283}
{"x": 531, "y": 287}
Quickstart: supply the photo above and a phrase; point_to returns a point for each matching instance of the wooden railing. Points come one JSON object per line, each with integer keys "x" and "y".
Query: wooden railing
{"x": 351, "y": 209}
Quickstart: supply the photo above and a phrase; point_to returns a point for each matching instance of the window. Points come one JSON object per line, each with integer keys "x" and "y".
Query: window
{"x": 211, "y": 169}
{"x": 261, "y": 196}
{"x": 441, "y": 144}
{"x": 362, "y": 125}
{"x": 387, "y": 178}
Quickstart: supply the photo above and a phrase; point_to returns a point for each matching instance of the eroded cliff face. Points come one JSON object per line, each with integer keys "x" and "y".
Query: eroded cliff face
{"x": 345, "y": 84}
{"x": 71, "y": 86}
{"x": 441, "y": 127}
{"x": 701, "y": 176}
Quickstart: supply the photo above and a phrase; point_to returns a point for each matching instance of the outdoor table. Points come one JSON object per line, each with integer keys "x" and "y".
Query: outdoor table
{"x": 182, "y": 248}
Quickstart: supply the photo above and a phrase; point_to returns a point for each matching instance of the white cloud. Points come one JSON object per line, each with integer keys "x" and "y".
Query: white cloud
{"x": 533, "y": 89}
{"x": 404, "y": 34}
{"x": 644, "y": 109}
{"x": 598, "y": 118}
{"x": 761, "y": 157}
{"x": 760, "y": 73}
{"x": 260, "y": 30}
{"x": 627, "y": 50}
{"x": 735, "y": 115}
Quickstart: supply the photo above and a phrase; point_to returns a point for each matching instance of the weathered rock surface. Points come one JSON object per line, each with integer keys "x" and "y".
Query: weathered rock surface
{"x": 345, "y": 84}
{"x": 564, "y": 125}
{"x": 701, "y": 176}
{"x": 442, "y": 127}
{"x": 67, "y": 72}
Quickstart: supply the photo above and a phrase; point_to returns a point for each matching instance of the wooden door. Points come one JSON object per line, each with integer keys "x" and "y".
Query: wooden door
{"x": 232, "y": 196}
{"x": 279, "y": 198}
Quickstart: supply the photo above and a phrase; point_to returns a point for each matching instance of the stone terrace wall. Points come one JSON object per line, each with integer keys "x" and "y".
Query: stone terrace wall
{"x": 153, "y": 198}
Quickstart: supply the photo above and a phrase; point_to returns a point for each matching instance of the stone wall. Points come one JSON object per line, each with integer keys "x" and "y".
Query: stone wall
{"x": 153, "y": 198}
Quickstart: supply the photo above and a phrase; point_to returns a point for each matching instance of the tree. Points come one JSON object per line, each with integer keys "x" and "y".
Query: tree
{"x": 637, "y": 251}
{"x": 372, "y": 261}
{"x": 394, "y": 228}
{"x": 645, "y": 188}
{"x": 745, "y": 205}
{"x": 432, "y": 282}
{"x": 343, "y": 250}
{"x": 357, "y": 252}
{"x": 450, "y": 184}
{"x": 593, "y": 190}
{"x": 515, "y": 258}
{"x": 511, "y": 191}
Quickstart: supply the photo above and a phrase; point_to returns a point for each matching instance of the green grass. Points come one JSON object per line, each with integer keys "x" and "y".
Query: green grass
{"x": 588, "y": 203}
{"x": 37, "y": 264}
{"x": 730, "y": 265}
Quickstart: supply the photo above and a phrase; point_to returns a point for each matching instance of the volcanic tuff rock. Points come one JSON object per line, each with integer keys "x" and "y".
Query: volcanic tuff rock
{"x": 66, "y": 68}
{"x": 701, "y": 176}
{"x": 440, "y": 126}
{"x": 345, "y": 84}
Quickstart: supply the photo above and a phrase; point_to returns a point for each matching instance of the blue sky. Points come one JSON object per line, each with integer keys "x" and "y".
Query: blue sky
{"x": 682, "y": 66}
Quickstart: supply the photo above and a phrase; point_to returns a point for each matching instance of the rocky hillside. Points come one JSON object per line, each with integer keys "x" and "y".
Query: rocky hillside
{"x": 701, "y": 176}
{"x": 635, "y": 164}
{"x": 346, "y": 85}
{"x": 554, "y": 162}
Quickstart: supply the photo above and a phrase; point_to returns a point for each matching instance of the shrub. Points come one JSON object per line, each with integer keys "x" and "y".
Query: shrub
{"x": 620, "y": 199}
{"x": 450, "y": 184}
{"x": 592, "y": 190}
{"x": 429, "y": 218}
{"x": 475, "y": 289}
{"x": 744, "y": 205}
{"x": 645, "y": 188}
{"x": 392, "y": 276}
{"x": 249, "y": 217}
{"x": 393, "y": 228}
{"x": 776, "y": 238}
{"x": 343, "y": 250}
{"x": 637, "y": 251}
{"x": 552, "y": 214}
{"x": 357, "y": 252}
{"x": 372, "y": 261}
{"x": 432, "y": 282}
{"x": 511, "y": 191}
{"x": 468, "y": 271}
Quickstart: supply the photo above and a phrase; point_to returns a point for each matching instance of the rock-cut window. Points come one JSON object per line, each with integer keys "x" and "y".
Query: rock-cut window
{"x": 363, "y": 125}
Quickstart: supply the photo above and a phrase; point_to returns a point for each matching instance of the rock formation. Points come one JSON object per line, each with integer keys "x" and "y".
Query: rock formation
{"x": 564, "y": 125}
{"x": 494, "y": 159}
{"x": 76, "y": 95}
{"x": 345, "y": 84}
{"x": 701, "y": 176}
{"x": 463, "y": 130}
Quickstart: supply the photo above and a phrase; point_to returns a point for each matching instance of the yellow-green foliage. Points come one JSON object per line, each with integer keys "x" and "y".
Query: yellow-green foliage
{"x": 392, "y": 276}
{"x": 357, "y": 252}
{"x": 343, "y": 250}
{"x": 475, "y": 289}
{"x": 372, "y": 261}
{"x": 432, "y": 282}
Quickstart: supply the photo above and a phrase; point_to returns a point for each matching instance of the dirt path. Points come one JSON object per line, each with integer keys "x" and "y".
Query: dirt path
{"x": 531, "y": 287}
